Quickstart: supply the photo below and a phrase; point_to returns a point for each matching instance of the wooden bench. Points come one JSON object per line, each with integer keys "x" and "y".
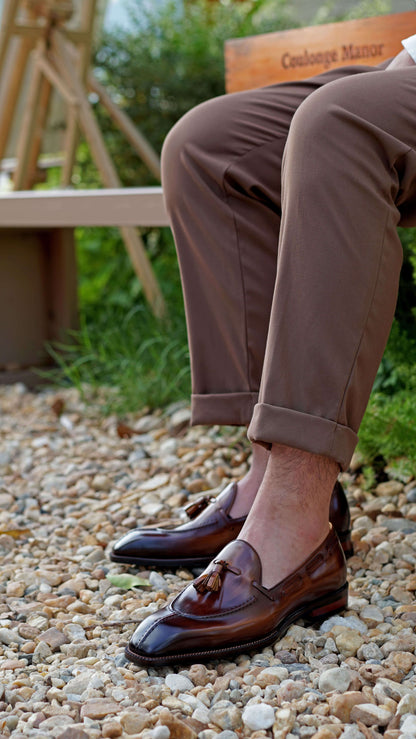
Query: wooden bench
{"x": 38, "y": 277}
{"x": 296, "y": 54}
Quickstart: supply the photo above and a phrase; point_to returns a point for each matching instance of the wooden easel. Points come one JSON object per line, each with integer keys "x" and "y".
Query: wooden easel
{"x": 61, "y": 58}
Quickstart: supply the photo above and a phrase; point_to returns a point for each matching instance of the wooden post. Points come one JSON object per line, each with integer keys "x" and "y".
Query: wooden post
{"x": 70, "y": 146}
{"x": 126, "y": 125}
{"x": 103, "y": 161}
{"x": 37, "y": 135}
{"x": 55, "y": 79}
{"x": 12, "y": 87}
{"x": 25, "y": 142}
{"x": 8, "y": 16}
{"x": 88, "y": 8}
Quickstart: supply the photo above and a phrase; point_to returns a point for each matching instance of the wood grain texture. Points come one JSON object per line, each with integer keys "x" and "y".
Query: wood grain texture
{"x": 128, "y": 206}
{"x": 296, "y": 54}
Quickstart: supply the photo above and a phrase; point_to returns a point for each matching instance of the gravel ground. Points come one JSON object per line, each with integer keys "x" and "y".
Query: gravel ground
{"x": 71, "y": 482}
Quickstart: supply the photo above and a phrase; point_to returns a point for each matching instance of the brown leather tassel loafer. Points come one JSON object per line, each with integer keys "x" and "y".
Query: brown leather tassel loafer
{"x": 227, "y": 610}
{"x": 196, "y": 542}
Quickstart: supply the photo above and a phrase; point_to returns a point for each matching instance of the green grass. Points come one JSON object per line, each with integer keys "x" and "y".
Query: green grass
{"x": 137, "y": 372}
{"x": 140, "y": 360}
{"x": 389, "y": 425}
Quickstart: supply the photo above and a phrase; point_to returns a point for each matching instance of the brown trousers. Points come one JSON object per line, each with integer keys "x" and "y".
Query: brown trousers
{"x": 284, "y": 203}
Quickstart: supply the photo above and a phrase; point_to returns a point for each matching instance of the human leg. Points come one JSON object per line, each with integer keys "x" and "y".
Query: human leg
{"x": 221, "y": 167}
{"x": 347, "y": 177}
{"x": 337, "y": 274}
{"x": 337, "y": 279}
{"x": 223, "y": 195}
{"x": 221, "y": 173}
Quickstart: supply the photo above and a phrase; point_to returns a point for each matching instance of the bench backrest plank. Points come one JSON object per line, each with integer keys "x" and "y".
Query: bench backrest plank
{"x": 296, "y": 54}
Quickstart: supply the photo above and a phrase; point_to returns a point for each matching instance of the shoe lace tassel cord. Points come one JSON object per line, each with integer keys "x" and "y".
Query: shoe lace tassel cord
{"x": 211, "y": 581}
{"x": 194, "y": 509}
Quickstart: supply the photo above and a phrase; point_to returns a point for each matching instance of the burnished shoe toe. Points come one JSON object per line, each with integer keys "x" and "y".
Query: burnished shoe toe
{"x": 138, "y": 544}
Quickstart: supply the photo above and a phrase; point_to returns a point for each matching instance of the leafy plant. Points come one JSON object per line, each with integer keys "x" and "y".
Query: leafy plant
{"x": 127, "y": 582}
{"x": 170, "y": 59}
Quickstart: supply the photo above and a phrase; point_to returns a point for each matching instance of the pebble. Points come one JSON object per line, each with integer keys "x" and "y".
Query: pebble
{"x": 259, "y": 716}
{"x": 15, "y": 589}
{"x": 409, "y": 725}
{"x": 158, "y": 582}
{"x": 41, "y": 653}
{"x": 371, "y": 714}
{"x": 63, "y": 625}
{"x": 290, "y": 690}
{"x": 391, "y": 487}
{"x": 160, "y": 732}
{"x": 98, "y": 708}
{"x": 54, "y": 638}
{"x": 407, "y": 704}
{"x": 369, "y": 651}
{"x": 372, "y": 616}
{"x": 271, "y": 676}
{"x": 178, "y": 683}
{"x": 178, "y": 729}
{"x": 133, "y": 722}
{"x": 341, "y": 705}
{"x": 393, "y": 689}
{"x": 9, "y": 636}
{"x": 347, "y": 622}
{"x": 336, "y": 678}
{"x": 112, "y": 729}
{"x": 352, "y": 732}
{"x": 225, "y": 715}
{"x": 73, "y": 732}
{"x": 348, "y": 642}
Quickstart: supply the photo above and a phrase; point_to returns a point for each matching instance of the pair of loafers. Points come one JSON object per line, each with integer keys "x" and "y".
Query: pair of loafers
{"x": 227, "y": 610}
{"x": 210, "y": 528}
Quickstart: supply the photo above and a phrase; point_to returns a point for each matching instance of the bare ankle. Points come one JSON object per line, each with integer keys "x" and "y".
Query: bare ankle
{"x": 290, "y": 515}
{"x": 249, "y": 485}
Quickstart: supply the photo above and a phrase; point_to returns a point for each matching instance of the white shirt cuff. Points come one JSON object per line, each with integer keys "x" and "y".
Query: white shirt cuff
{"x": 410, "y": 46}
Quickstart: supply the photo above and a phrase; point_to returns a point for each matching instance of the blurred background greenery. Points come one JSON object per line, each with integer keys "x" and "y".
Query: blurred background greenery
{"x": 166, "y": 60}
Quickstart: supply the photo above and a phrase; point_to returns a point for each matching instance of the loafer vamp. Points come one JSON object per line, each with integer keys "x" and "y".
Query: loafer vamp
{"x": 240, "y": 614}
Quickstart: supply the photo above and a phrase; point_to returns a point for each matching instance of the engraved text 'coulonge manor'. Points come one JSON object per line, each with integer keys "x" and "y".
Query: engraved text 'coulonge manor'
{"x": 347, "y": 53}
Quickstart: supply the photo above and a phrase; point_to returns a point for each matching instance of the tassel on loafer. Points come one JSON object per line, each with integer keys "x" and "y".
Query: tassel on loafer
{"x": 210, "y": 528}
{"x": 227, "y": 611}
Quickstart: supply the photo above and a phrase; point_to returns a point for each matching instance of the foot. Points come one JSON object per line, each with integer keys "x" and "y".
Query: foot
{"x": 211, "y": 528}
{"x": 290, "y": 515}
{"x": 227, "y": 610}
{"x": 248, "y": 486}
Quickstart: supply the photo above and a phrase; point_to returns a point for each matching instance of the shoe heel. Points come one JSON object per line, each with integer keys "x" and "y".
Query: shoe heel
{"x": 325, "y": 607}
{"x": 346, "y": 543}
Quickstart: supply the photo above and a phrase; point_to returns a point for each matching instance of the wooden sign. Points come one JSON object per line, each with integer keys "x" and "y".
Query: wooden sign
{"x": 283, "y": 56}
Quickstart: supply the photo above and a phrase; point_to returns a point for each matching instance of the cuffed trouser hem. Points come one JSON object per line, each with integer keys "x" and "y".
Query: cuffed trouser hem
{"x": 229, "y": 409}
{"x": 274, "y": 425}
